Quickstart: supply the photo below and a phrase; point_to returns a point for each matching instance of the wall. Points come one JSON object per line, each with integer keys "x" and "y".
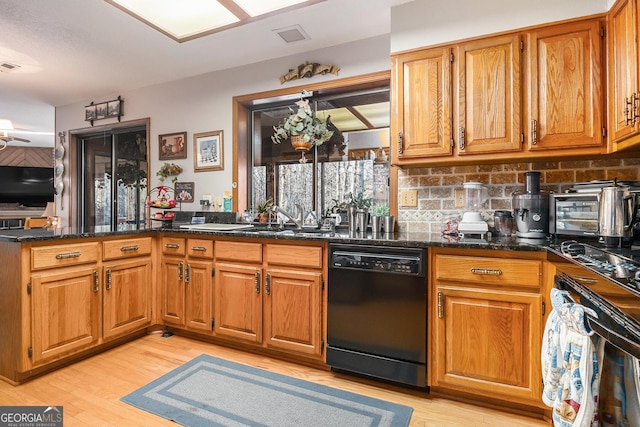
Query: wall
{"x": 204, "y": 103}
{"x": 436, "y": 185}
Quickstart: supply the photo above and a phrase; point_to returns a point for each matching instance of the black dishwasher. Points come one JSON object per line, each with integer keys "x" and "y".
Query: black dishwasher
{"x": 377, "y": 312}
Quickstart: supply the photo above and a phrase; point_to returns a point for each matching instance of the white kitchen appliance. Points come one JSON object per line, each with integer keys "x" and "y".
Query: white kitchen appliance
{"x": 475, "y": 195}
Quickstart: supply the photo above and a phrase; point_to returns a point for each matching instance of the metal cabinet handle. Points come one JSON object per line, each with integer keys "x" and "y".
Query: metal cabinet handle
{"x": 68, "y": 255}
{"x": 171, "y": 246}
{"x": 583, "y": 279}
{"x": 534, "y": 132}
{"x": 179, "y": 272}
{"x": 400, "y": 143}
{"x": 635, "y": 109}
{"x": 96, "y": 282}
{"x": 108, "y": 286}
{"x": 487, "y": 271}
{"x": 627, "y": 111}
{"x": 440, "y": 305}
{"x": 461, "y": 141}
{"x": 187, "y": 273}
{"x": 129, "y": 248}
{"x": 256, "y": 282}
{"x": 199, "y": 248}
{"x": 267, "y": 285}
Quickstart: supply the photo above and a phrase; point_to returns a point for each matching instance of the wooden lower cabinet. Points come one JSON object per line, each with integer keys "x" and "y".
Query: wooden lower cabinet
{"x": 292, "y": 311}
{"x": 186, "y": 283}
{"x": 486, "y": 325}
{"x": 267, "y": 302}
{"x": 126, "y": 297}
{"x": 65, "y": 312}
{"x": 238, "y": 302}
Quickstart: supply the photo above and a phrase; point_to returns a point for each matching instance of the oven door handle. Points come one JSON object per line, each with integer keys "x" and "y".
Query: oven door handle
{"x": 622, "y": 342}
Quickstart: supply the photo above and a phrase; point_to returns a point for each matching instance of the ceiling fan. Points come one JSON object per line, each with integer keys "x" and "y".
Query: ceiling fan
{"x": 5, "y": 127}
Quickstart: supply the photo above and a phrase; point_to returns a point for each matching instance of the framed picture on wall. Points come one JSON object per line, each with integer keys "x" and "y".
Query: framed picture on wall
{"x": 207, "y": 148}
{"x": 173, "y": 146}
{"x": 185, "y": 192}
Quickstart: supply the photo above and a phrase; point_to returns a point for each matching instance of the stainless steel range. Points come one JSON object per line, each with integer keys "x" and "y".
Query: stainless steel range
{"x": 607, "y": 282}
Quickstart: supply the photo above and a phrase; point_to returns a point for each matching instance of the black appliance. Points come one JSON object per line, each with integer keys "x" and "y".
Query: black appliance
{"x": 609, "y": 283}
{"x": 26, "y": 186}
{"x": 377, "y": 312}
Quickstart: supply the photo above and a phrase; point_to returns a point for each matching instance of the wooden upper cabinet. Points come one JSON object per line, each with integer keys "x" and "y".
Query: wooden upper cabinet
{"x": 421, "y": 104}
{"x": 624, "y": 87}
{"x": 489, "y": 95}
{"x": 565, "y": 87}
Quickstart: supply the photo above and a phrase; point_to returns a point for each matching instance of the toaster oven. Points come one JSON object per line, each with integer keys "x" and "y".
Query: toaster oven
{"x": 574, "y": 214}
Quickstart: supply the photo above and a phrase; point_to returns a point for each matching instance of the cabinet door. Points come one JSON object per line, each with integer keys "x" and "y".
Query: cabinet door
{"x": 623, "y": 69}
{"x": 172, "y": 288}
{"x": 238, "y": 302}
{"x": 489, "y": 95}
{"x": 292, "y": 311}
{"x": 65, "y": 312}
{"x": 421, "y": 104}
{"x": 198, "y": 300}
{"x": 487, "y": 342}
{"x": 127, "y": 297}
{"x": 565, "y": 107}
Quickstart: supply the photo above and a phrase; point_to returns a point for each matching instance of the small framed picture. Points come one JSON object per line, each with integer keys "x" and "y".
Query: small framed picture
{"x": 89, "y": 113}
{"x": 207, "y": 149}
{"x": 173, "y": 146}
{"x": 101, "y": 110}
{"x": 114, "y": 108}
{"x": 185, "y": 192}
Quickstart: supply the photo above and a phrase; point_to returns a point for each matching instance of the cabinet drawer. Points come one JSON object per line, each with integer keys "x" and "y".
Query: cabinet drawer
{"x": 491, "y": 271}
{"x": 126, "y": 248}
{"x": 200, "y": 248}
{"x": 173, "y": 246}
{"x": 239, "y": 251}
{"x": 298, "y": 256}
{"x": 63, "y": 255}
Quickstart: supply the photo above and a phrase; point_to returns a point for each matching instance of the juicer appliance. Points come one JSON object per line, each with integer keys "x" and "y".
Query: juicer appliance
{"x": 475, "y": 195}
{"x": 531, "y": 208}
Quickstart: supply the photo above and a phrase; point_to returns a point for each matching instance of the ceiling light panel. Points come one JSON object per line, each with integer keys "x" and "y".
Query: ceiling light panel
{"x": 260, "y": 7}
{"x": 180, "y": 19}
{"x": 189, "y": 19}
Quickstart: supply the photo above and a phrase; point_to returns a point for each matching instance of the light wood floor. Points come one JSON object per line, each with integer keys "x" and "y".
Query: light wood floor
{"x": 90, "y": 390}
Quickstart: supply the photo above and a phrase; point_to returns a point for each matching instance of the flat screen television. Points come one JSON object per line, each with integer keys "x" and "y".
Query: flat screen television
{"x": 27, "y": 186}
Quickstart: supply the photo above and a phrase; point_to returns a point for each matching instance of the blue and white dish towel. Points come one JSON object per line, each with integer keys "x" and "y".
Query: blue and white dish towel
{"x": 570, "y": 369}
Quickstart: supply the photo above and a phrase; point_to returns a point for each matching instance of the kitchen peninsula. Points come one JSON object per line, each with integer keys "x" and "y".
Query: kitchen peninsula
{"x": 131, "y": 283}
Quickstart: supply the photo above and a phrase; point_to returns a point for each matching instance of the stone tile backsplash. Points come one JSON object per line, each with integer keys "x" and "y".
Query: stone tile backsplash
{"x": 436, "y": 185}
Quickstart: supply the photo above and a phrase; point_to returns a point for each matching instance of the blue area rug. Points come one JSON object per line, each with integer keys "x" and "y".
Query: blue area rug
{"x": 208, "y": 391}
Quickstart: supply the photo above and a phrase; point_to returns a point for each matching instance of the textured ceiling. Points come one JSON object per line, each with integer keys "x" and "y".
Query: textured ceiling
{"x": 73, "y": 50}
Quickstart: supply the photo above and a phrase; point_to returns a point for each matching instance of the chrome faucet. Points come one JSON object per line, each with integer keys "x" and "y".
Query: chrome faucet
{"x": 296, "y": 219}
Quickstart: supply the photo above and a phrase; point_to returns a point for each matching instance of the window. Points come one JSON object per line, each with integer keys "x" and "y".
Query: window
{"x": 354, "y": 162}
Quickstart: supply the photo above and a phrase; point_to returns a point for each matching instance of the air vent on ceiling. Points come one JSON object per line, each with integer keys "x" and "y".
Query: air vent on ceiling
{"x": 292, "y": 34}
{"x": 6, "y": 67}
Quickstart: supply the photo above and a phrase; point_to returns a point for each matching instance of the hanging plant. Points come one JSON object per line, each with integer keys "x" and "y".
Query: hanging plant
{"x": 303, "y": 122}
{"x": 169, "y": 169}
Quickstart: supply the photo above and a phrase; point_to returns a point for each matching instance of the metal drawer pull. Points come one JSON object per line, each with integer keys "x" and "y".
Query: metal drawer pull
{"x": 171, "y": 246}
{"x": 199, "y": 248}
{"x": 487, "y": 271}
{"x": 69, "y": 255}
{"x": 129, "y": 248}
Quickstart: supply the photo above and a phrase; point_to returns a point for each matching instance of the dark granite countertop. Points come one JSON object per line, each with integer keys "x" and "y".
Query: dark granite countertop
{"x": 409, "y": 239}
